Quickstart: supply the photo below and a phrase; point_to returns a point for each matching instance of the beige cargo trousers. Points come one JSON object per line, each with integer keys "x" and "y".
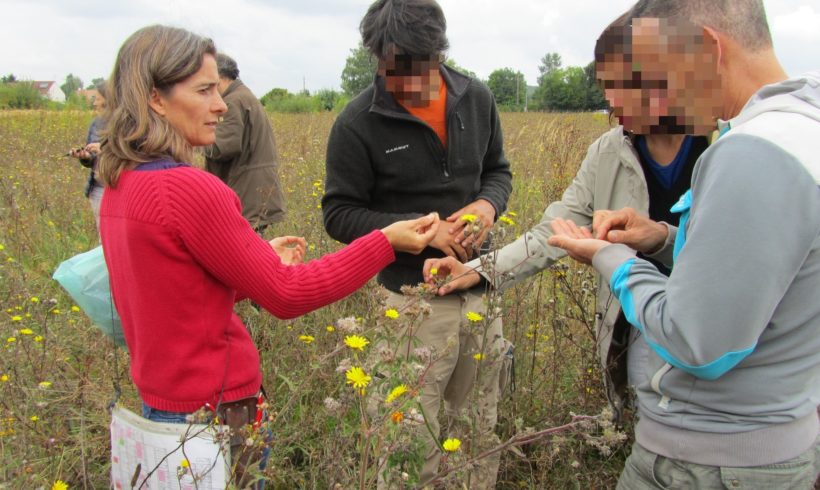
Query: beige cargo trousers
{"x": 466, "y": 376}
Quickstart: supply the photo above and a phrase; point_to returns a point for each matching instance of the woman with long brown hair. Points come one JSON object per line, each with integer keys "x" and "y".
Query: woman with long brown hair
{"x": 179, "y": 252}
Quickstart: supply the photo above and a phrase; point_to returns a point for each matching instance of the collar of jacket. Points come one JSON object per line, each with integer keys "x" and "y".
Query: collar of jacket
{"x": 233, "y": 86}
{"x": 385, "y": 104}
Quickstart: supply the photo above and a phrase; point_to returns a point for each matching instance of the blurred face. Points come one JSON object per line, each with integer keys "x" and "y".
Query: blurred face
{"x": 193, "y": 106}
{"x": 669, "y": 83}
{"x": 413, "y": 80}
{"x": 99, "y": 103}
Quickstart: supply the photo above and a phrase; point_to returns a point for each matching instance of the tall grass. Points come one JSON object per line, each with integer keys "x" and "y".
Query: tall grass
{"x": 58, "y": 374}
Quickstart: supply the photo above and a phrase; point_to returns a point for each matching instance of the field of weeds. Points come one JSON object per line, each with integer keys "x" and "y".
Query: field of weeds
{"x": 58, "y": 373}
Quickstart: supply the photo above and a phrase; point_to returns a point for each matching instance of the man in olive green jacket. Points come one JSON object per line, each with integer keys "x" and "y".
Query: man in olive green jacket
{"x": 244, "y": 154}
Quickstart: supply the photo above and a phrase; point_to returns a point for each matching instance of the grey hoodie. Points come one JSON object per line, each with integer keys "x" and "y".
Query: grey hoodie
{"x": 734, "y": 372}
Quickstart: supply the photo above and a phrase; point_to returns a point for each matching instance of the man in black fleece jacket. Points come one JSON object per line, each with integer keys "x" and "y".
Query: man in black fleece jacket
{"x": 424, "y": 137}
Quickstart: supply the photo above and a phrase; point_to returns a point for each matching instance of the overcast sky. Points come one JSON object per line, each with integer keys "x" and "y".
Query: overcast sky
{"x": 285, "y": 43}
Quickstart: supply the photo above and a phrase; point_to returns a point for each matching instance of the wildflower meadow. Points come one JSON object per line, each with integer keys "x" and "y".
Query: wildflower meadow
{"x": 343, "y": 382}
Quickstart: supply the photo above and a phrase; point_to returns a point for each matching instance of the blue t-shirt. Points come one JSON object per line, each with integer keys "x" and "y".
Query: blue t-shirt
{"x": 667, "y": 175}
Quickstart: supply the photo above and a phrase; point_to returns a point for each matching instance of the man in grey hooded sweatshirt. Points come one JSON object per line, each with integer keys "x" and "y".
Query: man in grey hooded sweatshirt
{"x": 732, "y": 385}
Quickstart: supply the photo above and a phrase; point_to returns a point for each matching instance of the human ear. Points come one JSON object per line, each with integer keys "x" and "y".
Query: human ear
{"x": 157, "y": 102}
{"x": 713, "y": 42}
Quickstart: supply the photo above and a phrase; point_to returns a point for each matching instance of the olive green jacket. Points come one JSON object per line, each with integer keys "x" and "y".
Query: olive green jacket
{"x": 244, "y": 157}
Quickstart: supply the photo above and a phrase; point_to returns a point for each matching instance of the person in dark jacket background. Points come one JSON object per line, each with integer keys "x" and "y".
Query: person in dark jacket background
{"x": 87, "y": 155}
{"x": 424, "y": 137}
{"x": 244, "y": 154}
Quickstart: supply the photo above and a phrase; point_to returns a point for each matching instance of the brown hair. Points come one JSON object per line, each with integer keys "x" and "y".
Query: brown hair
{"x": 154, "y": 57}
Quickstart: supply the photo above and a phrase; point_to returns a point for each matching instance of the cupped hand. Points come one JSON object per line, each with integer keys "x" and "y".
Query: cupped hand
{"x": 460, "y": 276}
{"x": 290, "y": 249}
{"x": 412, "y": 236}
{"x": 577, "y": 241}
{"x": 479, "y": 212}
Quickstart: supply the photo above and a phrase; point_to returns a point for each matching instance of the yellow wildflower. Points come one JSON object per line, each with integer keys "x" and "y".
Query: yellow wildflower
{"x": 38, "y": 338}
{"x": 2, "y": 247}
{"x": 4, "y": 378}
{"x": 451, "y": 445}
{"x": 474, "y": 317}
{"x": 506, "y": 220}
{"x": 357, "y": 378}
{"x": 59, "y": 485}
{"x": 391, "y": 313}
{"x": 469, "y": 218}
{"x": 26, "y": 331}
{"x": 434, "y": 271}
{"x": 395, "y": 393}
{"x": 185, "y": 464}
{"x": 478, "y": 356}
{"x": 306, "y": 338}
{"x": 34, "y": 418}
{"x": 56, "y": 311}
{"x": 75, "y": 308}
{"x": 11, "y": 340}
{"x": 16, "y": 318}
{"x": 356, "y": 342}
{"x": 44, "y": 385}
{"x": 330, "y": 328}
{"x": 397, "y": 416}
{"x": 512, "y": 213}
{"x": 35, "y": 299}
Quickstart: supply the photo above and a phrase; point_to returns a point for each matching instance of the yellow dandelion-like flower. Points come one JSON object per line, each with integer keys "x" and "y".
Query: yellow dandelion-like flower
{"x": 34, "y": 418}
{"x": 434, "y": 271}
{"x": 330, "y": 328}
{"x": 56, "y": 311}
{"x": 357, "y": 378}
{"x": 2, "y": 247}
{"x": 11, "y": 340}
{"x": 59, "y": 485}
{"x": 451, "y": 445}
{"x": 506, "y": 220}
{"x": 478, "y": 356}
{"x": 4, "y": 378}
{"x": 184, "y": 463}
{"x": 26, "y": 331}
{"x": 356, "y": 342}
{"x": 75, "y": 308}
{"x": 512, "y": 213}
{"x": 306, "y": 338}
{"x": 44, "y": 385}
{"x": 35, "y": 299}
{"x": 474, "y": 317}
{"x": 392, "y": 313}
{"x": 17, "y": 318}
{"x": 38, "y": 338}
{"x": 395, "y": 393}
{"x": 469, "y": 218}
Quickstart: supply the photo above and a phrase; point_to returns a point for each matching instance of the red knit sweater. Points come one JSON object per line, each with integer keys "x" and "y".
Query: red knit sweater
{"x": 179, "y": 255}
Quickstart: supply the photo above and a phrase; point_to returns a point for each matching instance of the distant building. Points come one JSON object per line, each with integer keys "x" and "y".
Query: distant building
{"x": 89, "y": 95}
{"x": 50, "y": 90}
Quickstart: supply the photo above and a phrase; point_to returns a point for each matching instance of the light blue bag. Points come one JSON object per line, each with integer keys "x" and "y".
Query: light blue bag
{"x": 85, "y": 277}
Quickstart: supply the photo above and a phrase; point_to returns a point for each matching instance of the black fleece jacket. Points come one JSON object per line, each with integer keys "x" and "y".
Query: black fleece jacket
{"x": 385, "y": 165}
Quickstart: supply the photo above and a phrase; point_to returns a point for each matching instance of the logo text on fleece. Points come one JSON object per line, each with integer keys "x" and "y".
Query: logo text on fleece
{"x": 398, "y": 148}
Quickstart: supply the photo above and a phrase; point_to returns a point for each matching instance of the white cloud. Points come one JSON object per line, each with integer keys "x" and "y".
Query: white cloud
{"x": 802, "y": 24}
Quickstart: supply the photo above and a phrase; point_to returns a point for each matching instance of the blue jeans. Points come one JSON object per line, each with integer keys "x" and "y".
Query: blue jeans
{"x": 166, "y": 417}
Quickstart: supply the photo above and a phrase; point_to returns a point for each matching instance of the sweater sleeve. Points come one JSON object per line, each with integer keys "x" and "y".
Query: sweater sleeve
{"x": 206, "y": 214}
{"x": 530, "y": 253}
{"x": 348, "y": 188}
{"x": 753, "y": 219}
{"x": 496, "y": 177}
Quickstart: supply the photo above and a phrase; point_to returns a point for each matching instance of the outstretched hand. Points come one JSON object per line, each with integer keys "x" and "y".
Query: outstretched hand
{"x": 481, "y": 214}
{"x": 630, "y": 228}
{"x": 412, "y": 236}
{"x": 290, "y": 249}
{"x": 577, "y": 241}
{"x": 461, "y": 276}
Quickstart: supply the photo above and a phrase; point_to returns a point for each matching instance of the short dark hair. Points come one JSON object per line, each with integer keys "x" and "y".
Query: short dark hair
{"x": 743, "y": 20}
{"x": 415, "y": 27}
{"x": 226, "y": 66}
